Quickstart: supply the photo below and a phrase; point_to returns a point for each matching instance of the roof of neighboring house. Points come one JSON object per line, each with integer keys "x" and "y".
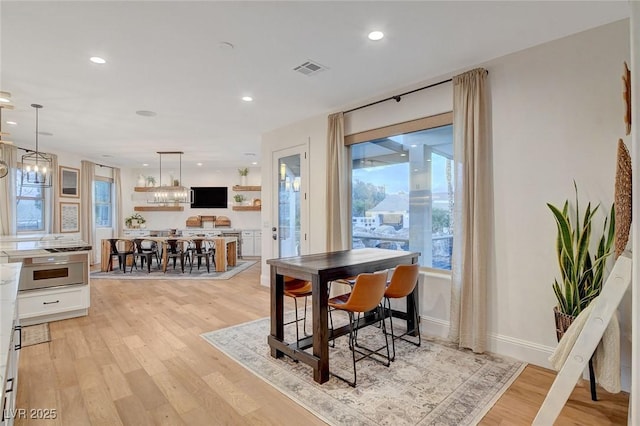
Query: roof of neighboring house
{"x": 393, "y": 203}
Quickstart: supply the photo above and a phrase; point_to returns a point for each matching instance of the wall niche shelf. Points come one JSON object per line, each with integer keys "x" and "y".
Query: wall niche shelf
{"x": 246, "y": 188}
{"x": 246, "y": 208}
{"x": 158, "y": 208}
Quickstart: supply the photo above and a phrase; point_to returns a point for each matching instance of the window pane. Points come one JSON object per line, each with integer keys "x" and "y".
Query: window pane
{"x": 102, "y": 203}
{"x": 30, "y": 215}
{"x": 402, "y": 194}
{"x": 102, "y": 191}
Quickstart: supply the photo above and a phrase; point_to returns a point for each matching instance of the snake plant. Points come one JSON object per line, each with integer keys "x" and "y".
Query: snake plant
{"x": 582, "y": 273}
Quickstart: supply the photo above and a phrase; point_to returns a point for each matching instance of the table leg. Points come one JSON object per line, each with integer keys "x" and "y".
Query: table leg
{"x": 221, "y": 255}
{"x": 277, "y": 309}
{"x": 165, "y": 256}
{"x": 319, "y": 302}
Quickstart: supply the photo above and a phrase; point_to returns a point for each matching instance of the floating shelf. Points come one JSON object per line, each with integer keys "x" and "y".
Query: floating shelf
{"x": 247, "y": 208}
{"x": 158, "y": 208}
{"x": 247, "y": 188}
{"x": 155, "y": 188}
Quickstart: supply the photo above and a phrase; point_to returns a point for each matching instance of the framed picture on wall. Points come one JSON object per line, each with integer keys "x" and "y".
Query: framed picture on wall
{"x": 69, "y": 182}
{"x": 69, "y": 217}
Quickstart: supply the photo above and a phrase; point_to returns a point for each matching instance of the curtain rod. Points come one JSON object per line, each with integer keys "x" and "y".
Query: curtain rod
{"x": 104, "y": 165}
{"x": 398, "y": 97}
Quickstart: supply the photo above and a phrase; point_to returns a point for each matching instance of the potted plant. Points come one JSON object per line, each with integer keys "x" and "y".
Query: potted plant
{"x": 582, "y": 274}
{"x": 238, "y": 198}
{"x": 243, "y": 176}
{"x": 134, "y": 221}
{"x": 151, "y": 181}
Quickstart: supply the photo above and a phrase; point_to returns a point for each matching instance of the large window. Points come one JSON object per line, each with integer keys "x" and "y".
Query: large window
{"x": 29, "y": 207}
{"x": 402, "y": 194}
{"x": 103, "y": 205}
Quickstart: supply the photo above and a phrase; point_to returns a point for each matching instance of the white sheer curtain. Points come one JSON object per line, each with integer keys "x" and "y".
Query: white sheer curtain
{"x": 338, "y": 215}
{"x": 117, "y": 203}
{"x": 9, "y": 154}
{"x": 53, "y": 197}
{"x": 472, "y": 210}
{"x": 87, "y": 225}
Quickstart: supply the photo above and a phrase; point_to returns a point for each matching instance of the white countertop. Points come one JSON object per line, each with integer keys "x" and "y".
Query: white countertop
{"x": 9, "y": 278}
{"x": 40, "y": 247}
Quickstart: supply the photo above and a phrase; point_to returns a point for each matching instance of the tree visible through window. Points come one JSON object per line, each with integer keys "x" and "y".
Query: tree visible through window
{"x": 29, "y": 206}
{"x": 102, "y": 203}
{"x": 402, "y": 194}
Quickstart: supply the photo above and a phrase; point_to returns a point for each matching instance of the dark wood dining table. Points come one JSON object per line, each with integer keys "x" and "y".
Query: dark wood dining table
{"x": 320, "y": 269}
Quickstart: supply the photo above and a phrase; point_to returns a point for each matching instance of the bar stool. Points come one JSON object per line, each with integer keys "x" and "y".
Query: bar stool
{"x": 296, "y": 288}
{"x": 365, "y": 296}
{"x": 402, "y": 283}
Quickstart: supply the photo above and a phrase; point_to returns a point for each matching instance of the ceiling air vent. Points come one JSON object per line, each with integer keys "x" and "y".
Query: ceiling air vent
{"x": 310, "y": 68}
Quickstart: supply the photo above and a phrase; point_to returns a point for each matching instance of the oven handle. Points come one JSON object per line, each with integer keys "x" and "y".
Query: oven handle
{"x": 18, "y": 328}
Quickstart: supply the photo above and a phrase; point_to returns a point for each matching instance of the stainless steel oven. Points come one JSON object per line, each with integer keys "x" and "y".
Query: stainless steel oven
{"x": 53, "y": 271}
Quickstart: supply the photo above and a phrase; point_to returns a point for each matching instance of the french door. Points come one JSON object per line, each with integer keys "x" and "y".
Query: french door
{"x": 289, "y": 230}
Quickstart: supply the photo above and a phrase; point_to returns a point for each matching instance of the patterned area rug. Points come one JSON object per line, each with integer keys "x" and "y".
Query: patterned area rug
{"x": 435, "y": 384}
{"x": 35, "y": 334}
{"x": 172, "y": 274}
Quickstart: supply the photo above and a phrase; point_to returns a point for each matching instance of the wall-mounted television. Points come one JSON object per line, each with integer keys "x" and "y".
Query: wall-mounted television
{"x": 209, "y": 197}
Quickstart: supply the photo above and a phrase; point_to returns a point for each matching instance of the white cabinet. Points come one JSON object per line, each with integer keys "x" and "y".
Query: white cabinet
{"x": 251, "y": 243}
{"x": 38, "y": 306}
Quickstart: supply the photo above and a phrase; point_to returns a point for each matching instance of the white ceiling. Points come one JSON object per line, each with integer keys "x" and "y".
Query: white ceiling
{"x": 166, "y": 57}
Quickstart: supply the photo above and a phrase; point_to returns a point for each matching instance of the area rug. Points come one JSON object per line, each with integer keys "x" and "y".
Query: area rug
{"x": 172, "y": 274}
{"x": 35, "y": 334}
{"x": 435, "y": 384}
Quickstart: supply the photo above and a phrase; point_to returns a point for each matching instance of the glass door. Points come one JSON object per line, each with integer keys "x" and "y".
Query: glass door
{"x": 287, "y": 233}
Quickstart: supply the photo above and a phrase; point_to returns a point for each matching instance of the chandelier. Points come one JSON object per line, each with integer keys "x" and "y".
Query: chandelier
{"x": 36, "y": 166}
{"x": 175, "y": 193}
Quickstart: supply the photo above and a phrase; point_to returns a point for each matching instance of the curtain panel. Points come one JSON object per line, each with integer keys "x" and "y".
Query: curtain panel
{"x": 117, "y": 203}
{"x": 87, "y": 224}
{"x": 53, "y": 199}
{"x": 338, "y": 214}
{"x": 9, "y": 154}
{"x": 472, "y": 210}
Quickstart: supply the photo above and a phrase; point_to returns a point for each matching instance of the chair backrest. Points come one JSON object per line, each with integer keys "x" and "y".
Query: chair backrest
{"x": 114, "y": 245}
{"x": 403, "y": 281}
{"x": 367, "y": 292}
{"x": 138, "y": 244}
{"x": 198, "y": 245}
{"x": 172, "y": 246}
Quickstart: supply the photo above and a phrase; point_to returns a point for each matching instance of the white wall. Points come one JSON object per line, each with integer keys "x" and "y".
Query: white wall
{"x": 556, "y": 116}
{"x": 192, "y": 177}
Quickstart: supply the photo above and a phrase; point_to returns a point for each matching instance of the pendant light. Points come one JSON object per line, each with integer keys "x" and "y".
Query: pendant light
{"x": 172, "y": 194}
{"x": 5, "y": 99}
{"x": 36, "y": 166}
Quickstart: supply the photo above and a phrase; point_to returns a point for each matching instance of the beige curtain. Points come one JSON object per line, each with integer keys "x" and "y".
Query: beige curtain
{"x": 9, "y": 154}
{"x": 53, "y": 197}
{"x": 117, "y": 203}
{"x": 338, "y": 217}
{"x": 472, "y": 210}
{"x": 87, "y": 226}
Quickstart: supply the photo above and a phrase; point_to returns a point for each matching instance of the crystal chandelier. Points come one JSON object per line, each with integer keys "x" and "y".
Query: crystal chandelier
{"x": 36, "y": 166}
{"x": 175, "y": 193}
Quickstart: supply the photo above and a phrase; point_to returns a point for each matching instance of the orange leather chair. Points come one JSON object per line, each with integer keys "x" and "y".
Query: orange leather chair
{"x": 402, "y": 283}
{"x": 296, "y": 288}
{"x": 366, "y": 295}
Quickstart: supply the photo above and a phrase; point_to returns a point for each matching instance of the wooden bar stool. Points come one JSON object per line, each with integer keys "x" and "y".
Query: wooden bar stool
{"x": 365, "y": 296}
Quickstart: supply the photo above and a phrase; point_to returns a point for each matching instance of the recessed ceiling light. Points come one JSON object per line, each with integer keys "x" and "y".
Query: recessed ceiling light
{"x": 145, "y": 165}
{"x": 13, "y": 123}
{"x": 97, "y": 60}
{"x": 255, "y": 163}
{"x": 376, "y": 35}
{"x": 199, "y": 164}
{"x": 247, "y": 98}
{"x": 144, "y": 113}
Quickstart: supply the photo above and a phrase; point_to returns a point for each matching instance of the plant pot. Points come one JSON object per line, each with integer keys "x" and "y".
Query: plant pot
{"x": 563, "y": 321}
{"x": 243, "y": 180}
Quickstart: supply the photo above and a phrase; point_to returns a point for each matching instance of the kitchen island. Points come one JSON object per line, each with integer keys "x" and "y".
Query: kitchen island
{"x": 54, "y": 277}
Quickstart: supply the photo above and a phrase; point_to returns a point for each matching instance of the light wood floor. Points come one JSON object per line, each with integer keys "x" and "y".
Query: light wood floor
{"x": 138, "y": 359}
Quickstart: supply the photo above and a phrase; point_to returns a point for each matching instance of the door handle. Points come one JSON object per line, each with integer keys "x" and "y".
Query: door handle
{"x": 274, "y": 229}
{"x": 274, "y": 236}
